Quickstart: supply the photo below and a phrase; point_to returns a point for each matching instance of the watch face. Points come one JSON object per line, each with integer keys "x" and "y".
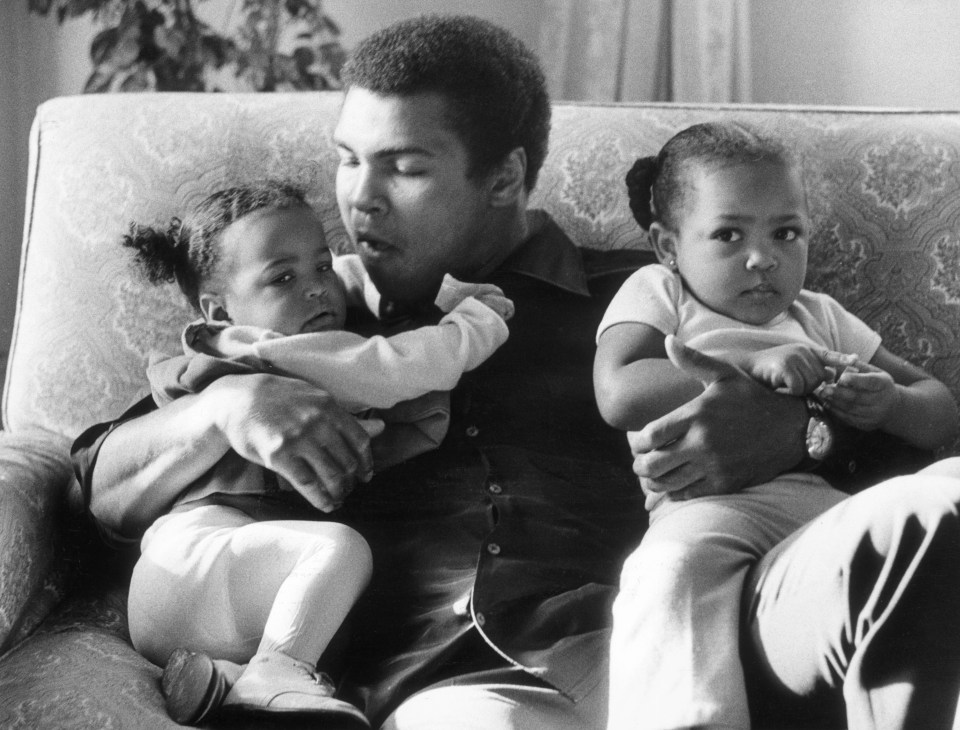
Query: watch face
{"x": 819, "y": 439}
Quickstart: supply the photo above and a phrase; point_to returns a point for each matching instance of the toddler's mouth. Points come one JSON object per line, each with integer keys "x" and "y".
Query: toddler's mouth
{"x": 319, "y": 323}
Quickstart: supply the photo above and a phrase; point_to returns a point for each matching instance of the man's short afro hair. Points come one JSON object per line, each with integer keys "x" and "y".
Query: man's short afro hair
{"x": 496, "y": 90}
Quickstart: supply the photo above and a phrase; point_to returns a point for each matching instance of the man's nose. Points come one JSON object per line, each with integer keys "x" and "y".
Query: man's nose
{"x": 366, "y": 193}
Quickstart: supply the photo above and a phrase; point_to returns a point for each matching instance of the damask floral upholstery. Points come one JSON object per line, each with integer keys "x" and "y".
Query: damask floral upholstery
{"x": 883, "y": 186}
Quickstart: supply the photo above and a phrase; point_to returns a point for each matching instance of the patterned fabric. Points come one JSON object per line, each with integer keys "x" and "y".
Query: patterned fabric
{"x": 883, "y": 188}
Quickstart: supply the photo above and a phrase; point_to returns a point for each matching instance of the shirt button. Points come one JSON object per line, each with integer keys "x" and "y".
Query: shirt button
{"x": 389, "y": 309}
{"x": 472, "y": 431}
{"x": 495, "y": 489}
{"x": 493, "y": 548}
{"x": 481, "y": 619}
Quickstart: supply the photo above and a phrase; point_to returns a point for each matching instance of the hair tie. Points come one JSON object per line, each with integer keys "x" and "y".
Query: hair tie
{"x": 640, "y": 182}
{"x": 175, "y": 232}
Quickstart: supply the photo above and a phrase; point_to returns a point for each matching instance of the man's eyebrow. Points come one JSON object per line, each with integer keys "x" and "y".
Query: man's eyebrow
{"x": 392, "y": 151}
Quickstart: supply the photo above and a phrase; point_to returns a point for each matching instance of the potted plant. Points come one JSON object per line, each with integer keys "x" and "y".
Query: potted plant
{"x": 161, "y": 45}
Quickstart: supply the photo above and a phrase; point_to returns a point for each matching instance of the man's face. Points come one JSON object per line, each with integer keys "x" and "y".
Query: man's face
{"x": 405, "y": 195}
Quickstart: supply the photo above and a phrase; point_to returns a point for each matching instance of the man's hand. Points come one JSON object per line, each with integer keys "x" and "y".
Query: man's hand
{"x": 735, "y": 434}
{"x": 297, "y": 431}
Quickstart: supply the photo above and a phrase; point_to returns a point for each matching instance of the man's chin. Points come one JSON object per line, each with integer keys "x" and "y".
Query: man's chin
{"x": 405, "y": 292}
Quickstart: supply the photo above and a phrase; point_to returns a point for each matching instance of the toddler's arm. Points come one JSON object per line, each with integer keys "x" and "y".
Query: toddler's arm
{"x": 794, "y": 369}
{"x": 634, "y": 381}
{"x": 378, "y": 372}
{"x": 358, "y": 289}
{"x": 895, "y": 396}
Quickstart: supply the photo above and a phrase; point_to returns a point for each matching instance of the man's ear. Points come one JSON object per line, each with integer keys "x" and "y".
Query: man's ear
{"x": 664, "y": 242}
{"x": 508, "y": 180}
{"x": 211, "y": 306}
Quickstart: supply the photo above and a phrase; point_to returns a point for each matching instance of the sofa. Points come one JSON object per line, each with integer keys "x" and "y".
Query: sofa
{"x": 883, "y": 187}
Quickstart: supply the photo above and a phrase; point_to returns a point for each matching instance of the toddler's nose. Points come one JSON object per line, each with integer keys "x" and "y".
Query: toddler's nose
{"x": 316, "y": 292}
{"x": 760, "y": 260}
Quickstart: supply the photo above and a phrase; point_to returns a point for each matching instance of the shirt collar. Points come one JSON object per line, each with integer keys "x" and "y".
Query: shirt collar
{"x": 548, "y": 255}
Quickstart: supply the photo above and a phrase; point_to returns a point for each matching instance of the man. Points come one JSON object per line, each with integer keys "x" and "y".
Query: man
{"x": 496, "y": 556}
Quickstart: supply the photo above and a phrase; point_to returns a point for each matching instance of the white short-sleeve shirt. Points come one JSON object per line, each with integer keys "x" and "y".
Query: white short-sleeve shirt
{"x": 655, "y": 295}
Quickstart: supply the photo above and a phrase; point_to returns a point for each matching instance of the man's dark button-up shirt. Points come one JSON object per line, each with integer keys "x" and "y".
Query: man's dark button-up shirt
{"x": 518, "y": 525}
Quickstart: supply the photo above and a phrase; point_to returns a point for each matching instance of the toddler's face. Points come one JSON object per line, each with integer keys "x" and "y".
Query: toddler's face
{"x": 741, "y": 246}
{"x": 277, "y": 273}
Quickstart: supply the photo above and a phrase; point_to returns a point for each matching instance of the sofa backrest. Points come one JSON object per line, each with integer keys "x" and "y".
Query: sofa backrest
{"x": 883, "y": 188}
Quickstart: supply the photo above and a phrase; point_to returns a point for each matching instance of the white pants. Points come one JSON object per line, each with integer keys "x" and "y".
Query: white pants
{"x": 859, "y": 610}
{"x": 675, "y": 657}
{"x": 481, "y": 702}
{"x": 212, "y": 579}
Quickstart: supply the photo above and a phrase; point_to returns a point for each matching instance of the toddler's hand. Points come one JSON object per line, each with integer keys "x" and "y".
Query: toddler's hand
{"x": 864, "y": 396}
{"x": 795, "y": 369}
{"x": 453, "y": 291}
{"x": 497, "y": 302}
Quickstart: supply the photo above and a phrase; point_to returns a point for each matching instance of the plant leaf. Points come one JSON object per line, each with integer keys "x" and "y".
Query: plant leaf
{"x": 103, "y": 45}
{"x": 40, "y": 7}
{"x": 99, "y": 81}
{"x": 137, "y": 80}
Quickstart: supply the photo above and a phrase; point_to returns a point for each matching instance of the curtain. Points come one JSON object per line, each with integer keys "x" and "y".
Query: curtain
{"x": 646, "y": 50}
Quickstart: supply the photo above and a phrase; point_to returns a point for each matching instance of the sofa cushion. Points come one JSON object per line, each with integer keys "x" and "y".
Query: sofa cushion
{"x": 33, "y": 479}
{"x": 881, "y": 185}
{"x": 881, "y": 188}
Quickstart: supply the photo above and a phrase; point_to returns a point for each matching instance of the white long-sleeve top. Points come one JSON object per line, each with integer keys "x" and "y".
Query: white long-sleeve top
{"x": 401, "y": 376}
{"x": 359, "y": 372}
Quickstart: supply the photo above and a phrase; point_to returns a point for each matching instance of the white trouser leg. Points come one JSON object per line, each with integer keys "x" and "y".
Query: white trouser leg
{"x": 211, "y": 579}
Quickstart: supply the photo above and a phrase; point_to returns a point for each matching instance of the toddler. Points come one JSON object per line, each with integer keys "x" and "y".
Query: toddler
{"x": 242, "y": 585}
{"x": 728, "y": 220}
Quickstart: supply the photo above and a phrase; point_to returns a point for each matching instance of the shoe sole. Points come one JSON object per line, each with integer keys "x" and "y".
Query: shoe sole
{"x": 346, "y": 718}
{"x": 189, "y": 684}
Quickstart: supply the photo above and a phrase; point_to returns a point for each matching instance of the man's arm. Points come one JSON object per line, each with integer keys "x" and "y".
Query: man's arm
{"x": 736, "y": 433}
{"x": 284, "y": 424}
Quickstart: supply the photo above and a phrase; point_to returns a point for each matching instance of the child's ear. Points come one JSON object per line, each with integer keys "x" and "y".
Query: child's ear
{"x": 211, "y": 306}
{"x": 508, "y": 180}
{"x": 664, "y": 242}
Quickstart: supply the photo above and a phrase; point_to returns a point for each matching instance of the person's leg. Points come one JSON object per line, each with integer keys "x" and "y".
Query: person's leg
{"x": 178, "y": 593}
{"x": 864, "y": 603}
{"x": 945, "y": 468}
{"x": 212, "y": 584}
{"x": 506, "y": 699}
{"x": 215, "y": 581}
{"x": 321, "y": 568}
{"x": 675, "y": 647}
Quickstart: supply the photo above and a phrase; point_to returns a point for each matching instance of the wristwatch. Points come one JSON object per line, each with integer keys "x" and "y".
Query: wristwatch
{"x": 819, "y": 438}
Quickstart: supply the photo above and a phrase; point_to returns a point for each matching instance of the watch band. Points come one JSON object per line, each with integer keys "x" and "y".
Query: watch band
{"x": 814, "y": 407}
{"x": 819, "y": 434}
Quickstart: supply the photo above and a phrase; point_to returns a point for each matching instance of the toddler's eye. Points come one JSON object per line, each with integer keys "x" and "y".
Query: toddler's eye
{"x": 324, "y": 267}
{"x": 788, "y": 234}
{"x": 282, "y": 279}
{"x": 727, "y": 235}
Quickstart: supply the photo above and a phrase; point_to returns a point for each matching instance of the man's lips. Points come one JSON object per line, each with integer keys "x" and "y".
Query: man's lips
{"x": 372, "y": 243}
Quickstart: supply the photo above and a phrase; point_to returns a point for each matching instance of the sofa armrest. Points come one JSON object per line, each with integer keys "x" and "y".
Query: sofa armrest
{"x": 34, "y": 474}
